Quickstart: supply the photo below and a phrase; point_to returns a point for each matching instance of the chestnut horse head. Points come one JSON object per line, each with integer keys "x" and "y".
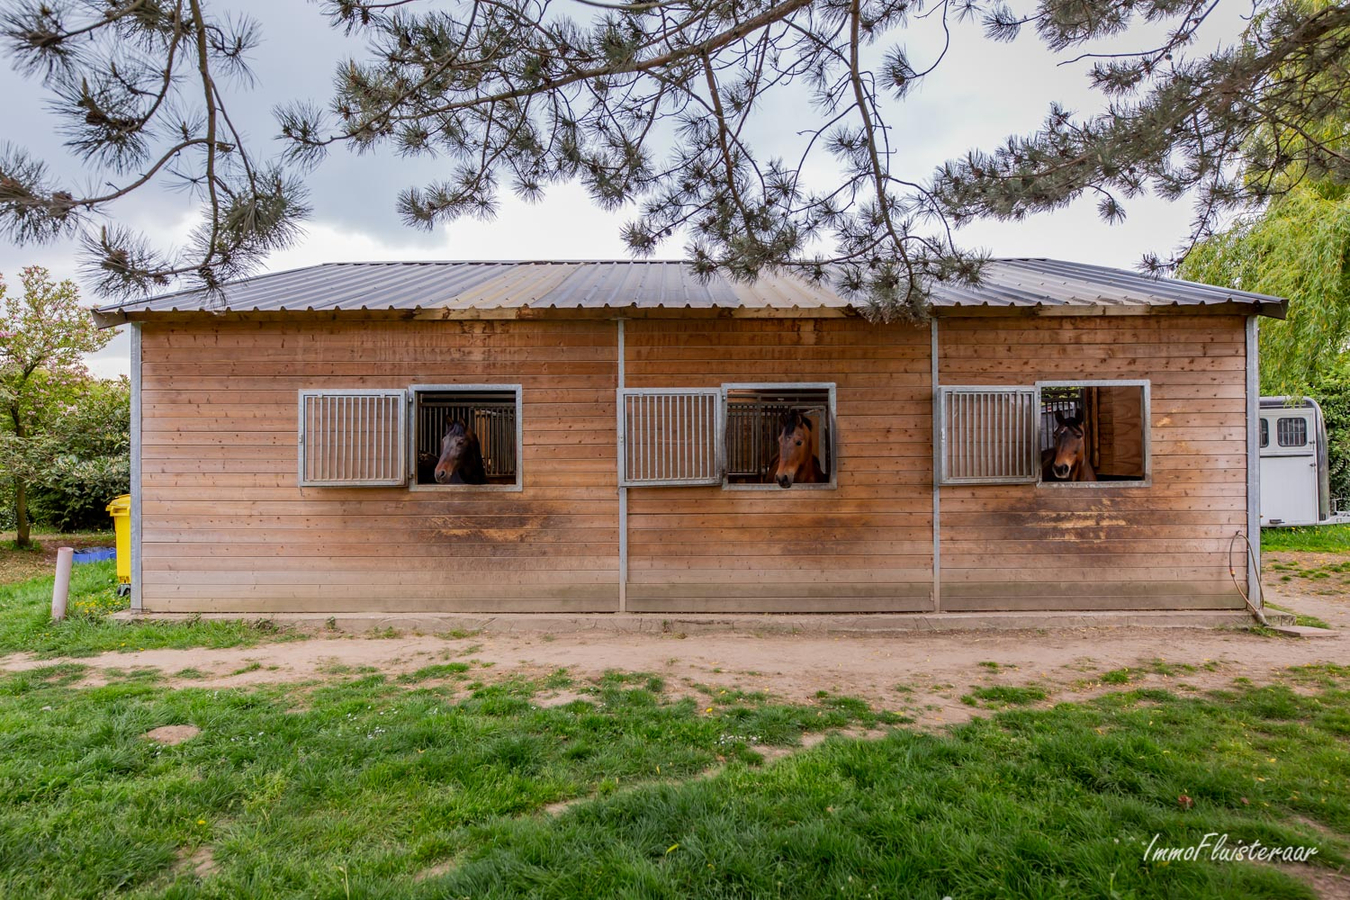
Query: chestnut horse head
{"x": 1067, "y": 459}
{"x": 796, "y": 462}
{"x": 461, "y": 459}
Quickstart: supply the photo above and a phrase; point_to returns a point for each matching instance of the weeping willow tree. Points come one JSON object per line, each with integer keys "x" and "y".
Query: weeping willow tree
{"x": 1297, "y": 248}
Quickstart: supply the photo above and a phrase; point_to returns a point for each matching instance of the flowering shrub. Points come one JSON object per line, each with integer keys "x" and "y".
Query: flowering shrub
{"x": 88, "y": 459}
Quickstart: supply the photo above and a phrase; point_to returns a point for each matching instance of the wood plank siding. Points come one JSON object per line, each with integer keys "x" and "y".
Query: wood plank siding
{"x": 225, "y": 528}
{"x": 1162, "y": 546}
{"x": 865, "y": 547}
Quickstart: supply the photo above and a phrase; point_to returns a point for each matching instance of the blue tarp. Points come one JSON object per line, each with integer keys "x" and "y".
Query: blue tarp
{"x": 95, "y": 554}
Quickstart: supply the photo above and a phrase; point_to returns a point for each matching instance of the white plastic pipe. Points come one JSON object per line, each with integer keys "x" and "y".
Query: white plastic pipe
{"x": 65, "y": 559}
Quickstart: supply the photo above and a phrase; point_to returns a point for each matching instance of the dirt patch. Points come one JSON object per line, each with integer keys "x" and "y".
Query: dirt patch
{"x": 559, "y": 698}
{"x": 1327, "y": 884}
{"x": 562, "y": 806}
{"x": 201, "y": 862}
{"x": 172, "y": 734}
{"x": 921, "y": 674}
{"x": 435, "y": 871}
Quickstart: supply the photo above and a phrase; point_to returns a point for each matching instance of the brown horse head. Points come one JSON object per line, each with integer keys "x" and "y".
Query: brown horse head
{"x": 1069, "y": 459}
{"x": 796, "y": 460}
{"x": 461, "y": 460}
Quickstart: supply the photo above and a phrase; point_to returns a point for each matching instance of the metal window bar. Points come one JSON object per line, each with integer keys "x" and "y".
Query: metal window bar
{"x": 987, "y": 435}
{"x": 1069, "y": 400}
{"x": 1291, "y": 431}
{"x": 752, "y": 421}
{"x": 351, "y": 438}
{"x": 670, "y": 437}
{"x": 491, "y": 414}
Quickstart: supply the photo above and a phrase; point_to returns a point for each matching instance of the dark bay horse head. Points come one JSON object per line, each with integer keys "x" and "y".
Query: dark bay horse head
{"x": 461, "y": 460}
{"x": 1068, "y": 461}
{"x": 796, "y": 460}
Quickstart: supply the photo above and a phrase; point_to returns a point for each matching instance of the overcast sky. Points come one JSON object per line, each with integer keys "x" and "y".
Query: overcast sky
{"x": 981, "y": 93}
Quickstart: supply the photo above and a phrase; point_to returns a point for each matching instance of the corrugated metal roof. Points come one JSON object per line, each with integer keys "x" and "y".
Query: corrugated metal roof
{"x": 470, "y": 286}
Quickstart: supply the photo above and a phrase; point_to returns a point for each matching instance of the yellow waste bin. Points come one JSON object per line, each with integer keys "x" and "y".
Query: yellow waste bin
{"x": 120, "y": 510}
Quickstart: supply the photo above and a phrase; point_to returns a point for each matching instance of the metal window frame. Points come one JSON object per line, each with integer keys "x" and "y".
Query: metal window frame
{"x": 829, "y": 387}
{"x": 402, "y": 438}
{"x": 719, "y": 436}
{"x": 411, "y": 440}
{"x": 1146, "y": 417}
{"x": 940, "y": 437}
{"x": 1302, "y": 419}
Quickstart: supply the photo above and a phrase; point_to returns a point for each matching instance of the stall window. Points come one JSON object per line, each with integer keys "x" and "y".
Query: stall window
{"x": 986, "y": 435}
{"x": 762, "y": 419}
{"x": 483, "y": 424}
{"x": 352, "y": 438}
{"x": 679, "y": 437}
{"x": 1265, "y": 433}
{"x": 1055, "y": 433}
{"x": 668, "y": 437}
{"x": 1093, "y": 432}
{"x": 1291, "y": 431}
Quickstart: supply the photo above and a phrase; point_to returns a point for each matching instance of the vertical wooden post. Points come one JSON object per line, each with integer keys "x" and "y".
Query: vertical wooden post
{"x": 65, "y": 559}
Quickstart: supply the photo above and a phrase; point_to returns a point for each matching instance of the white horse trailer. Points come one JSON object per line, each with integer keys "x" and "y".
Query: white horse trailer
{"x": 1295, "y": 477}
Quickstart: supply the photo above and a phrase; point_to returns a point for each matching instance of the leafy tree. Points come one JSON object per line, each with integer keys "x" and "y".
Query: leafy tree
{"x": 1298, "y": 248}
{"x": 88, "y": 448}
{"x": 652, "y": 100}
{"x": 44, "y": 335}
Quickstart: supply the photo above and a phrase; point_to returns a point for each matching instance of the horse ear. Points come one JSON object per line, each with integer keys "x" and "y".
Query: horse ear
{"x": 1059, "y": 417}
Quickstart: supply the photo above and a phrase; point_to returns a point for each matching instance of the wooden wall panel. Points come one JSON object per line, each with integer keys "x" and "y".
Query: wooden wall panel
{"x": 1164, "y": 546}
{"x": 865, "y": 547}
{"x": 226, "y": 529}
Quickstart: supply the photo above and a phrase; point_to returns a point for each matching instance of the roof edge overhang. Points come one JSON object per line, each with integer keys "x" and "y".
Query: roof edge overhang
{"x": 113, "y": 317}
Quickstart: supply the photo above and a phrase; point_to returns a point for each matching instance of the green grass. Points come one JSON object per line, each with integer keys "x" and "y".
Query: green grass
{"x": 287, "y": 784}
{"x": 26, "y": 624}
{"x": 355, "y": 788}
{"x": 1306, "y": 538}
{"x": 998, "y": 696}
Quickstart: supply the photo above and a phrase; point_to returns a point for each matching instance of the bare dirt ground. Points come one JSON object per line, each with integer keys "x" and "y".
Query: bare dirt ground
{"x": 922, "y": 674}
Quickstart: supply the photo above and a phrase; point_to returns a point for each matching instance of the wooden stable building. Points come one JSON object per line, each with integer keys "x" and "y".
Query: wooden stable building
{"x": 627, "y": 414}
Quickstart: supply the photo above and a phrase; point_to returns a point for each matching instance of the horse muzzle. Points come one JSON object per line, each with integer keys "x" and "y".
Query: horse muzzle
{"x": 784, "y": 481}
{"x": 1061, "y": 471}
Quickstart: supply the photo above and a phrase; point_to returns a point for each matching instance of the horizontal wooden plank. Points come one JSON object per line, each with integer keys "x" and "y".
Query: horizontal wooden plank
{"x": 728, "y": 602}
{"x": 1163, "y": 599}
{"x": 599, "y": 601}
{"x": 1079, "y": 590}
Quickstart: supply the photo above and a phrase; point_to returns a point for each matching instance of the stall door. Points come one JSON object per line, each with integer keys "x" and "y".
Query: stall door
{"x": 1288, "y": 469}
